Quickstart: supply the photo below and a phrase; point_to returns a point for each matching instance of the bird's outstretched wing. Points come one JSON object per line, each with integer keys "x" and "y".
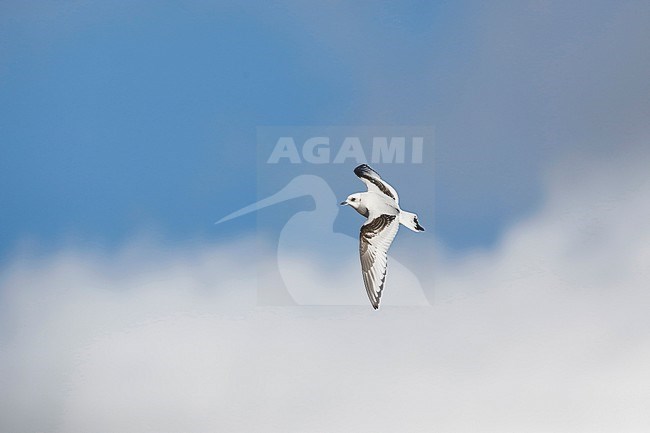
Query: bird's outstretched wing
{"x": 375, "y": 238}
{"x": 375, "y": 183}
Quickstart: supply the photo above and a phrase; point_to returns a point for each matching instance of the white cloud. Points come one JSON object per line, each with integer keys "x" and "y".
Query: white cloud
{"x": 547, "y": 332}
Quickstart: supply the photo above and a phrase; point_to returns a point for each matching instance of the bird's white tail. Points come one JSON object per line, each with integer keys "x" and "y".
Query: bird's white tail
{"x": 410, "y": 220}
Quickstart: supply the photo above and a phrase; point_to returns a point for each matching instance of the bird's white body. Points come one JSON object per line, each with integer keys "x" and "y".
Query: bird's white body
{"x": 371, "y": 205}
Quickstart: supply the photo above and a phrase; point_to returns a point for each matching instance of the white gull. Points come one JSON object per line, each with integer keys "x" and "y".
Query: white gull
{"x": 380, "y": 205}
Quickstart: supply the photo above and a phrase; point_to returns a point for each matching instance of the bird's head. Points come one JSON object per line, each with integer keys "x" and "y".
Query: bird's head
{"x": 353, "y": 200}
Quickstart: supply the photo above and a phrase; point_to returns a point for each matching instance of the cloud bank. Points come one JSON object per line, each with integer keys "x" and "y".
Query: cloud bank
{"x": 546, "y": 332}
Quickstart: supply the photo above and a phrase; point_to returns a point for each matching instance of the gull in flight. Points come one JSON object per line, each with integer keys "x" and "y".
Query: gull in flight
{"x": 380, "y": 205}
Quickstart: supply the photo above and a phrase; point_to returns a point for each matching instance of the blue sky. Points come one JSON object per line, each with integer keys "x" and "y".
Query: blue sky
{"x": 121, "y": 119}
{"x": 118, "y": 120}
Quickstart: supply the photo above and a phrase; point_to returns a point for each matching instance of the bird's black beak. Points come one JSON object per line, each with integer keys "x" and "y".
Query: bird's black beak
{"x": 343, "y": 203}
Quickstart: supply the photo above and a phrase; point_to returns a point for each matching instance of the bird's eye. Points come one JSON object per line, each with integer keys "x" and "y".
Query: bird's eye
{"x": 353, "y": 199}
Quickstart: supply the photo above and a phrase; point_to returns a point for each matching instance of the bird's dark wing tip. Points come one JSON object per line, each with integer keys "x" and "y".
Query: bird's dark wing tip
{"x": 364, "y": 169}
